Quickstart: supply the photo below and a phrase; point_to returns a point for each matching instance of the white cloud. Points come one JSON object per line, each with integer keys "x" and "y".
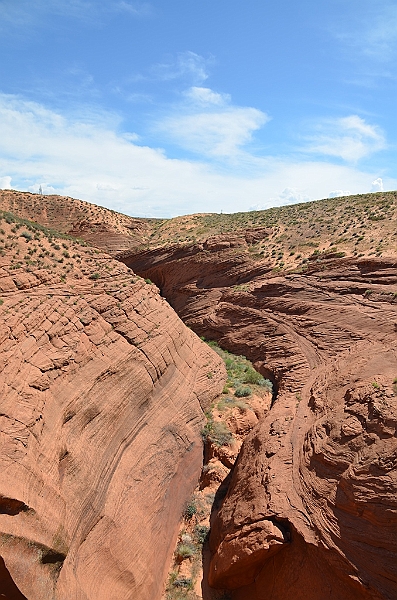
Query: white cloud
{"x": 42, "y": 188}
{"x": 377, "y": 185}
{"x": 187, "y": 65}
{"x": 5, "y": 183}
{"x": 206, "y": 97}
{"x": 349, "y": 138}
{"x": 218, "y": 134}
{"x": 338, "y": 194}
{"x": 288, "y": 195}
{"x": 91, "y": 160}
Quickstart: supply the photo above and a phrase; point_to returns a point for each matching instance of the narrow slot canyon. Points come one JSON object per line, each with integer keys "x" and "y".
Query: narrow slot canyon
{"x": 329, "y": 350}
{"x": 108, "y": 394}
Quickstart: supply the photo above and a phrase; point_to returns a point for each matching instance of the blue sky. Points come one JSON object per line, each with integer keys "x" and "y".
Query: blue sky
{"x": 165, "y": 108}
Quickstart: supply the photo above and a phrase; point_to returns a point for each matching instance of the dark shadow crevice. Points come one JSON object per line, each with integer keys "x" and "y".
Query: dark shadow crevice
{"x": 8, "y": 588}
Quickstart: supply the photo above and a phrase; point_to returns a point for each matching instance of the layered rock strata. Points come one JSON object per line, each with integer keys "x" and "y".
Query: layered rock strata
{"x": 102, "y": 395}
{"x": 312, "y": 502}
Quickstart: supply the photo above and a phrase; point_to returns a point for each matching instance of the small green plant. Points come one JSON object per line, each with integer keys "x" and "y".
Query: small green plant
{"x": 243, "y": 391}
{"x": 217, "y": 433}
{"x": 184, "y": 551}
{"x": 190, "y": 510}
{"x": 376, "y": 385}
{"x": 201, "y": 533}
{"x": 95, "y": 275}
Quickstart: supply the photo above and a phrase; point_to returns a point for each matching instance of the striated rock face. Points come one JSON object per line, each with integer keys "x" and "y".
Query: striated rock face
{"x": 102, "y": 397}
{"x": 312, "y": 502}
{"x": 102, "y": 393}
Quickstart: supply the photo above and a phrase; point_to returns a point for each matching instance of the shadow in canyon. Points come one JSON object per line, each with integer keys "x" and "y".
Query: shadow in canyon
{"x": 8, "y": 589}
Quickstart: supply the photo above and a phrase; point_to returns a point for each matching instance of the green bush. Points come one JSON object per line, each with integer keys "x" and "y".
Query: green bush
{"x": 201, "y": 533}
{"x": 184, "y": 551}
{"x": 252, "y": 376}
{"x": 243, "y": 391}
{"x": 190, "y": 510}
{"x": 217, "y": 433}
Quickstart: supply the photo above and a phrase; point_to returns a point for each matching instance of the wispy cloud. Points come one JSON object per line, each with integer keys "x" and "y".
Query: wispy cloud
{"x": 187, "y": 65}
{"x": 90, "y": 158}
{"x": 136, "y": 9}
{"x": 371, "y": 32}
{"x": 207, "y": 123}
{"x": 32, "y": 13}
{"x": 215, "y": 133}
{"x": 203, "y": 96}
{"x": 349, "y": 138}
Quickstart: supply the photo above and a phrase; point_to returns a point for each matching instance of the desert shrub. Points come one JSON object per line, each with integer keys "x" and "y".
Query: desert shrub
{"x": 241, "y": 405}
{"x": 243, "y": 391}
{"x": 183, "y": 582}
{"x": 95, "y": 275}
{"x": 266, "y": 383}
{"x": 190, "y": 510}
{"x": 184, "y": 551}
{"x": 217, "y": 433}
{"x": 252, "y": 376}
{"x": 229, "y": 402}
{"x": 201, "y": 533}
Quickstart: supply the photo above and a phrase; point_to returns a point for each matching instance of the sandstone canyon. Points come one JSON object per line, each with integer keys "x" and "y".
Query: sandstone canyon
{"x": 104, "y": 390}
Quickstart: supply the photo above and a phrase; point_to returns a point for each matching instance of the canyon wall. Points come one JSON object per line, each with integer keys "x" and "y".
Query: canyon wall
{"x": 312, "y": 502}
{"x": 103, "y": 391}
{"x": 102, "y": 395}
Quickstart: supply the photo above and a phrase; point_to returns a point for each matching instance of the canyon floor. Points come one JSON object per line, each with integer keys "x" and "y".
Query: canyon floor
{"x": 107, "y": 391}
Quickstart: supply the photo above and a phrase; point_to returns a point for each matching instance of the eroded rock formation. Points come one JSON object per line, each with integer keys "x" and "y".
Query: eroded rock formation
{"x": 312, "y": 502}
{"x": 311, "y": 508}
{"x": 102, "y": 393}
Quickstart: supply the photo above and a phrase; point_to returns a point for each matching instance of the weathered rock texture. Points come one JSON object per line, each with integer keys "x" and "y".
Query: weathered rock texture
{"x": 311, "y": 512}
{"x": 102, "y": 391}
{"x": 311, "y": 509}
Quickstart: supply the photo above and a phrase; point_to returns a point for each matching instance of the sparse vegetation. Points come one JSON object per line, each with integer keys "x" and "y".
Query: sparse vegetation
{"x": 243, "y": 391}
{"x": 217, "y": 433}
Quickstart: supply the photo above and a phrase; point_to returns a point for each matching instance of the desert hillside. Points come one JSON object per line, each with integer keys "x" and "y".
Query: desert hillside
{"x": 304, "y": 483}
{"x": 286, "y": 236}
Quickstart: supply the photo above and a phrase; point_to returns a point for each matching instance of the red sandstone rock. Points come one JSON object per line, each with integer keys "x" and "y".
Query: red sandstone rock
{"x": 102, "y": 398}
{"x": 312, "y": 502}
{"x": 311, "y": 508}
